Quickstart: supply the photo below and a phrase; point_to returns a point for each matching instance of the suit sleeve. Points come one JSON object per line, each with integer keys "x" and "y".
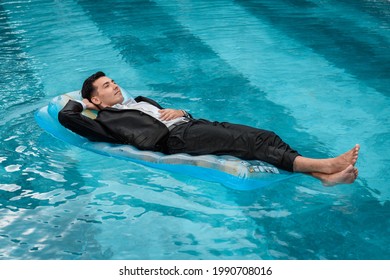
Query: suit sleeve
{"x": 71, "y": 118}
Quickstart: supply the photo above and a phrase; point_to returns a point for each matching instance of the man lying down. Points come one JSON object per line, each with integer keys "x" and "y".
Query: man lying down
{"x": 143, "y": 123}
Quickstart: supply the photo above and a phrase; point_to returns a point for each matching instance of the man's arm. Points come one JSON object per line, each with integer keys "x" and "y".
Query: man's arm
{"x": 166, "y": 114}
{"x": 71, "y": 118}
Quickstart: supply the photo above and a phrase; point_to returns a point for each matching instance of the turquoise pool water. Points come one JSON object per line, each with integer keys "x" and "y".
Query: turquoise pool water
{"x": 314, "y": 71}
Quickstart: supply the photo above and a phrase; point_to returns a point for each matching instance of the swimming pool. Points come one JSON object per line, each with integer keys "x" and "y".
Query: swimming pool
{"x": 314, "y": 71}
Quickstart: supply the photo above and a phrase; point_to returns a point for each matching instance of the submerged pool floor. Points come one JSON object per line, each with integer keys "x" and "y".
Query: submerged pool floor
{"x": 316, "y": 72}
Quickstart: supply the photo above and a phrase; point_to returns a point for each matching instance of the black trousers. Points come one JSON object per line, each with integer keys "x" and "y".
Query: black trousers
{"x": 202, "y": 137}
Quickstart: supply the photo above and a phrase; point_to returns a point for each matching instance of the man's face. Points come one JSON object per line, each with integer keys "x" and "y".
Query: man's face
{"x": 107, "y": 92}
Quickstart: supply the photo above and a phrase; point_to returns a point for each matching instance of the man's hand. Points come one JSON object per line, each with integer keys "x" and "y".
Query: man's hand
{"x": 90, "y": 105}
{"x": 170, "y": 114}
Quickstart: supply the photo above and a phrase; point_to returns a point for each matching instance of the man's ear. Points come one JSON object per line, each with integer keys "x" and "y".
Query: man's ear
{"x": 95, "y": 100}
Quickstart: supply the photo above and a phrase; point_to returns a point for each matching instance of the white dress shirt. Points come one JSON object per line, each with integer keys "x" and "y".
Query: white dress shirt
{"x": 146, "y": 108}
{"x": 150, "y": 110}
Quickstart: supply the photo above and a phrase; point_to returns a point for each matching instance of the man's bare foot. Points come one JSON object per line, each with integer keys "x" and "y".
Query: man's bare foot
{"x": 341, "y": 162}
{"x": 329, "y": 165}
{"x": 346, "y": 176}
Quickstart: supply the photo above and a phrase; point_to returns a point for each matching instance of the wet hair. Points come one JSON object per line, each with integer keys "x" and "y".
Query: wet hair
{"x": 88, "y": 88}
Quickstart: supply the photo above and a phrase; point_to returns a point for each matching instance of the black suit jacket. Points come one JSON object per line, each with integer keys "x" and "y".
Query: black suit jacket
{"x": 126, "y": 126}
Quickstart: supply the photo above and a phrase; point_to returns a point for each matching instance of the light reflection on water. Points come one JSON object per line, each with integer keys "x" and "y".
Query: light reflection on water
{"x": 61, "y": 202}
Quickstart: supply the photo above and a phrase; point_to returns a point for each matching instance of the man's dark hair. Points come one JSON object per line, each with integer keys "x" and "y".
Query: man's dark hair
{"x": 88, "y": 88}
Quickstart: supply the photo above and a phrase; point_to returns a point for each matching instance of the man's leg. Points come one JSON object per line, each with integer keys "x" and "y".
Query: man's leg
{"x": 346, "y": 176}
{"x": 331, "y": 171}
{"x": 204, "y": 137}
{"x": 329, "y": 165}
